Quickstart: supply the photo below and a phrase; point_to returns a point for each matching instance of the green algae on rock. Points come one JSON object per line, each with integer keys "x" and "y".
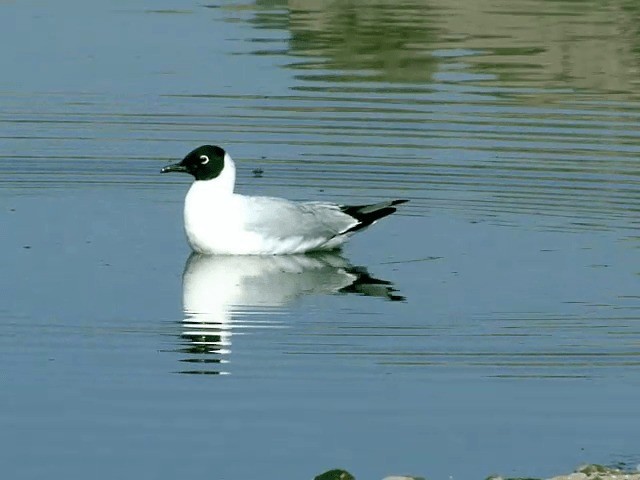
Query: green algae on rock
{"x": 335, "y": 474}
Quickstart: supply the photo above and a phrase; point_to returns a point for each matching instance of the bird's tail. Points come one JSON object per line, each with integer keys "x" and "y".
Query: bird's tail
{"x": 368, "y": 214}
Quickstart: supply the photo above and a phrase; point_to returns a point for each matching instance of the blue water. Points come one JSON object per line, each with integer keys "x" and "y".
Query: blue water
{"x": 492, "y": 325}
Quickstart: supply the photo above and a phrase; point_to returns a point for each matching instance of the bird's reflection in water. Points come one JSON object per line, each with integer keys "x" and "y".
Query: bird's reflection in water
{"x": 223, "y": 295}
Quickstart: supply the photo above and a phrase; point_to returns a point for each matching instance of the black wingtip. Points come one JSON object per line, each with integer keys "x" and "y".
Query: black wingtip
{"x": 368, "y": 214}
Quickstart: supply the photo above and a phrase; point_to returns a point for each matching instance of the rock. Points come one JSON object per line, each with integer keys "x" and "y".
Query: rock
{"x": 571, "y": 476}
{"x": 335, "y": 474}
{"x": 498, "y": 477}
{"x": 402, "y": 477}
{"x": 598, "y": 472}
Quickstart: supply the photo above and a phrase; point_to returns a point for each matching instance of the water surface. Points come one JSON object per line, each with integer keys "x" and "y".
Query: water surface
{"x": 492, "y": 325}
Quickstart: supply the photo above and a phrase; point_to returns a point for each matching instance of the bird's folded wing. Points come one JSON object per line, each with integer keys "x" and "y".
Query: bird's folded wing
{"x": 280, "y": 218}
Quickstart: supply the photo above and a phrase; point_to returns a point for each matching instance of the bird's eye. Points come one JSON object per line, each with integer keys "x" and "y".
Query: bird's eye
{"x": 204, "y": 159}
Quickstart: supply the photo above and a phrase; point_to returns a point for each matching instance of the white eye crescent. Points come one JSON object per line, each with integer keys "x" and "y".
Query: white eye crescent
{"x": 204, "y": 159}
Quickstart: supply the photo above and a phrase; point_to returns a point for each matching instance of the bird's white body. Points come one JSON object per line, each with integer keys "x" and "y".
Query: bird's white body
{"x": 219, "y": 221}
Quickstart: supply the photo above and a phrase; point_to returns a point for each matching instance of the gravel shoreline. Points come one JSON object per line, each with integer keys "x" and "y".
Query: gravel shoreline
{"x": 584, "y": 472}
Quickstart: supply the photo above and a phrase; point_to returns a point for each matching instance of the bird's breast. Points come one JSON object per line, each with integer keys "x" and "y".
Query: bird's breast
{"x": 213, "y": 223}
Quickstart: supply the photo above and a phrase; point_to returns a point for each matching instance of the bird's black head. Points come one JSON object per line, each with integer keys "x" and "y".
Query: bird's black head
{"x": 204, "y": 163}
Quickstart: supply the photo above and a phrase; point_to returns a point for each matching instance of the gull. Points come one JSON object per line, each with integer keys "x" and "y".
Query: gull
{"x": 218, "y": 221}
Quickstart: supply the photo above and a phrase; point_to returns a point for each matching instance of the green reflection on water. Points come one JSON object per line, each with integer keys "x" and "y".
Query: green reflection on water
{"x": 585, "y": 45}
